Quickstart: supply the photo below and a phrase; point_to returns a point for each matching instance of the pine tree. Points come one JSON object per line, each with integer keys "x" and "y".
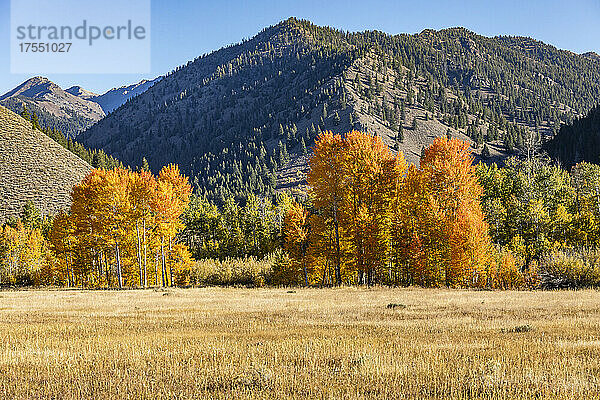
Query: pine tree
{"x": 485, "y": 152}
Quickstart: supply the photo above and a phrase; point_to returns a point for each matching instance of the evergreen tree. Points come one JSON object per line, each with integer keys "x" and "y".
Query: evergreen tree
{"x": 485, "y": 152}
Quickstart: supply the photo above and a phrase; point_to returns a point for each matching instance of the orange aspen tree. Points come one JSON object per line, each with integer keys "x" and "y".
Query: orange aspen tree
{"x": 142, "y": 191}
{"x": 172, "y": 196}
{"x": 117, "y": 217}
{"x": 449, "y": 233}
{"x": 87, "y": 225}
{"x": 61, "y": 241}
{"x": 116, "y": 206}
{"x": 418, "y": 240}
{"x": 100, "y": 210}
{"x": 371, "y": 173}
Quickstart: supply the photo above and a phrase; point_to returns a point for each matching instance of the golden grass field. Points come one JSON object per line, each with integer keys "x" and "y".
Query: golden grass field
{"x": 315, "y": 343}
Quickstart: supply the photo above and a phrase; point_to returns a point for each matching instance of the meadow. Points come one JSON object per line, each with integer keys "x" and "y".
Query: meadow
{"x": 299, "y": 343}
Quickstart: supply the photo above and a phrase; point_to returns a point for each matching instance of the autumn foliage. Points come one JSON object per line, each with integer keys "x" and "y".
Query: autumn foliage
{"x": 442, "y": 236}
{"x": 369, "y": 219}
{"x": 376, "y": 220}
{"x": 121, "y": 230}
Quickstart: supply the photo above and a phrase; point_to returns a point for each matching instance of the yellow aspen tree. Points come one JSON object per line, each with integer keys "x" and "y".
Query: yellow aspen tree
{"x": 61, "y": 241}
{"x": 453, "y": 215}
{"x": 142, "y": 191}
{"x": 296, "y": 234}
{"x": 327, "y": 186}
{"x": 172, "y": 196}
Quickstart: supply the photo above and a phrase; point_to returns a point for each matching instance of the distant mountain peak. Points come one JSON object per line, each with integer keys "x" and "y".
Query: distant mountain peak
{"x": 81, "y": 92}
{"x": 115, "y": 97}
{"x": 36, "y": 80}
{"x": 72, "y": 110}
{"x": 34, "y": 87}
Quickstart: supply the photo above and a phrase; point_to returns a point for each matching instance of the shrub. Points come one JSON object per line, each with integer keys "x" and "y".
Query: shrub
{"x": 570, "y": 269}
{"x": 247, "y": 271}
{"x": 507, "y": 271}
{"x": 285, "y": 271}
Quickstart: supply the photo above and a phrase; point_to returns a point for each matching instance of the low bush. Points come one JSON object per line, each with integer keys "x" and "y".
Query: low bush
{"x": 247, "y": 271}
{"x": 572, "y": 269}
{"x": 508, "y": 271}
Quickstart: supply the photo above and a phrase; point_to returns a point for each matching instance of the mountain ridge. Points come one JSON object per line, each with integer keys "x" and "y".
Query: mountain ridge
{"x": 54, "y": 106}
{"x": 238, "y": 119}
{"x": 71, "y": 110}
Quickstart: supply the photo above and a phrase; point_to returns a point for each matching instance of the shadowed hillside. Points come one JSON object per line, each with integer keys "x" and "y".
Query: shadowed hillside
{"x": 34, "y": 167}
{"x": 579, "y": 141}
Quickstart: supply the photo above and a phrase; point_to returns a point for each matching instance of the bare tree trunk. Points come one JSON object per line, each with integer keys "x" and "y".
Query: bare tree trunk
{"x": 118, "y": 261}
{"x": 163, "y": 264}
{"x": 145, "y": 257}
{"x": 156, "y": 268}
{"x": 305, "y": 272}
{"x": 93, "y": 266}
{"x": 170, "y": 264}
{"x": 338, "y": 274}
{"x": 100, "y": 266}
{"x": 139, "y": 253}
{"x": 67, "y": 263}
{"x": 99, "y": 261}
{"x": 107, "y": 270}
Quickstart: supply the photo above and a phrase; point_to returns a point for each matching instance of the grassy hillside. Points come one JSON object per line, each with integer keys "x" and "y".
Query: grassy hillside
{"x": 238, "y": 120}
{"x": 34, "y": 167}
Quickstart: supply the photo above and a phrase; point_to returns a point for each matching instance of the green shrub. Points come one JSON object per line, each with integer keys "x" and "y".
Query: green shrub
{"x": 285, "y": 271}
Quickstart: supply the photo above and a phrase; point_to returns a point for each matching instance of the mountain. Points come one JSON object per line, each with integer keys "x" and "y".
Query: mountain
{"x": 115, "y": 97}
{"x": 72, "y": 110}
{"x": 81, "y": 93}
{"x": 577, "y": 142}
{"x": 54, "y": 107}
{"x": 592, "y": 55}
{"x": 34, "y": 167}
{"x": 238, "y": 120}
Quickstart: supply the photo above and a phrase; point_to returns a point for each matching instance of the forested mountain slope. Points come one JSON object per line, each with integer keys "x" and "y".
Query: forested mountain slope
{"x": 239, "y": 120}
{"x": 33, "y": 167}
{"x": 579, "y": 141}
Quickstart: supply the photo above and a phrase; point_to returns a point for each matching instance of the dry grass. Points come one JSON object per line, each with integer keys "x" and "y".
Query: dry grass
{"x": 34, "y": 167}
{"x": 269, "y": 343}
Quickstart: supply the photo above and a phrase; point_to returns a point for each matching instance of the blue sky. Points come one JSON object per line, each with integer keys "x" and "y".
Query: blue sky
{"x": 182, "y": 30}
